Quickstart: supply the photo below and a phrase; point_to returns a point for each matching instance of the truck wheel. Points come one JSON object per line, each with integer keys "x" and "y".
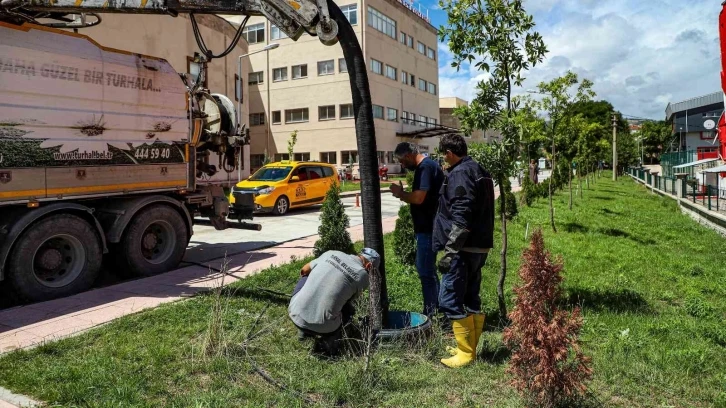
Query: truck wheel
{"x": 154, "y": 242}
{"x": 281, "y": 206}
{"x": 59, "y": 256}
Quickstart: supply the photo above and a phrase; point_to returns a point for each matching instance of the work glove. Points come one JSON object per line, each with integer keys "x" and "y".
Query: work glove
{"x": 457, "y": 239}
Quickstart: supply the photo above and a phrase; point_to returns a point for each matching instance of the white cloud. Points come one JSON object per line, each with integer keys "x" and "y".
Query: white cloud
{"x": 640, "y": 55}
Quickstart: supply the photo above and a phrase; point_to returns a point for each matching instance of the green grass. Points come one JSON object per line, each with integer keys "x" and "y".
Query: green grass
{"x": 355, "y": 186}
{"x": 651, "y": 283}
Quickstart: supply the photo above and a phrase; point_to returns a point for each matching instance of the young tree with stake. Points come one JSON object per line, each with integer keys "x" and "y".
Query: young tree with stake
{"x": 497, "y": 37}
{"x": 558, "y": 103}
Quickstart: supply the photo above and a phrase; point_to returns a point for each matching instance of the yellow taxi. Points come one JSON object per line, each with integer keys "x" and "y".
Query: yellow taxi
{"x": 278, "y": 187}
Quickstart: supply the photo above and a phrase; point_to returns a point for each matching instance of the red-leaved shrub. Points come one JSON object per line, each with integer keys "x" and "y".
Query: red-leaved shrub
{"x": 547, "y": 363}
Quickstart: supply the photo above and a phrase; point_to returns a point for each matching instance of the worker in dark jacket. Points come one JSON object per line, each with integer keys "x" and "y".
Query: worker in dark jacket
{"x": 464, "y": 231}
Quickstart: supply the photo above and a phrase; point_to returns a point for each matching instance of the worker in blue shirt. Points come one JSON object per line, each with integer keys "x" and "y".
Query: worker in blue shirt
{"x": 424, "y": 200}
{"x": 464, "y": 231}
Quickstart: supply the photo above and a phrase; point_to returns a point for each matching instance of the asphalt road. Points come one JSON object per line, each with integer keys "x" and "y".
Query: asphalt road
{"x": 208, "y": 244}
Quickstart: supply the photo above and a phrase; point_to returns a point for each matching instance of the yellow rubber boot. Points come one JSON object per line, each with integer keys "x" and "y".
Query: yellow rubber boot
{"x": 464, "y": 333}
{"x": 479, "y": 319}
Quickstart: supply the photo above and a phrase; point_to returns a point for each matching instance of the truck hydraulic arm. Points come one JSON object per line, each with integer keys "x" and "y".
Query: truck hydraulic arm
{"x": 291, "y": 16}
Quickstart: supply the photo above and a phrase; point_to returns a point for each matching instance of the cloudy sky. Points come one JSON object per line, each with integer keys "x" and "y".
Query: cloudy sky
{"x": 641, "y": 54}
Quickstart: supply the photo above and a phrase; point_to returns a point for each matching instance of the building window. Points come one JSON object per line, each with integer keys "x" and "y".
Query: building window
{"x": 342, "y": 65}
{"x": 256, "y": 78}
{"x": 351, "y": 13}
{"x": 391, "y": 72}
{"x": 299, "y": 71}
{"x": 326, "y": 112}
{"x": 350, "y": 156}
{"x": 431, "y": 122}
{"x": 281, "y": 156}
{"x": 296, "y": 115}
{"x": 276, "y": 117}
{"x": 412, "y": 79}
{"x": 381, "y": 22}
{"x": 254, "y": 33}
{"x": 326, "y": 67}
{"x": 431, "y": 53}
{"x": 257, "y": 119}
{"x": 392, "y": 115}
{"x": 328, "y": 157}
{"x": 410, "y": 41}
{"x": 346, "y": 111}
{"x": 432, "y": 88}
{"x": 404, "y": 117}
{"x": 377, "y": 67}
{"x": 421, "y": 120}
{"x": 402, "y": 37}
{"x": 421, "y": 48}
{"x": 421, "y": 85}
{"x": 301, "y": 157}
{"x": 194, "y": 69}
{"x": 237, "y": 89}
{"x": 257, "y": 160}
{"x": 389, "y": 157}
{"x": 381, "y": 156}
{"x": 279, "y": 74}
{"x": 404, "y": 77}
{"x": 276, "y": 33}
{"x": 377, "y": 112}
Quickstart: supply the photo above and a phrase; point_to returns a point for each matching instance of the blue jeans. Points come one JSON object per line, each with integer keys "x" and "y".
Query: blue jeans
{"x": 426, "y": 267}
{"x": 459, "y": 294}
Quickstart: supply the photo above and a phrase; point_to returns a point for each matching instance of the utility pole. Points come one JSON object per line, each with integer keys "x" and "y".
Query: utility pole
{"x": 615, "y": 147}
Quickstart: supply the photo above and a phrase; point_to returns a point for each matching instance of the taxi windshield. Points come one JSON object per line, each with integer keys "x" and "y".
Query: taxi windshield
{"x": 271, "y": 174}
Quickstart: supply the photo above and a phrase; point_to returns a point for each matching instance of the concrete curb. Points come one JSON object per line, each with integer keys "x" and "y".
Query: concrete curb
{"x": 10, "y": 400}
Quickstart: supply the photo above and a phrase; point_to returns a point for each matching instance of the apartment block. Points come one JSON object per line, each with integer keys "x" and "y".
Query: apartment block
{"x": 446, "y": 113}
{"x": 303, "y": 85}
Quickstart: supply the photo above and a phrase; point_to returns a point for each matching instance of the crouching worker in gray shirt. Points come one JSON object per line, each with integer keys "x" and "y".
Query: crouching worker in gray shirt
{"x": 321, "y": 303}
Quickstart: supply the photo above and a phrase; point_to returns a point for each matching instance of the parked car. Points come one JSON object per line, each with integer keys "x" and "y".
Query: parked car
{"x": 278, "y": 187}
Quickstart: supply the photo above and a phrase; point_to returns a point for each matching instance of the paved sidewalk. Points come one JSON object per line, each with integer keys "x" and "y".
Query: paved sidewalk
{"x": 27, "y": 326}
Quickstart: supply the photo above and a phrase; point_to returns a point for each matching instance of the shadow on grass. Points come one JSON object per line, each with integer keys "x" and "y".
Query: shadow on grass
{"x": 258, "y": 294}
{"x": 610, "y": 212}
{"x": 612, "y": 300}
{"x": 617, "y": 233}
{"x": 496, "y": 355}
{"x": 604, "y": 198}
{"x": 575, "y": 227}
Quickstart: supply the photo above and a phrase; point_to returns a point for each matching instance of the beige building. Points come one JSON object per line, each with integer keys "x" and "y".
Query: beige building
{"x": 173, "y": 40}
{"x": 446, "y": 112}
{"x": 303, "y": 85}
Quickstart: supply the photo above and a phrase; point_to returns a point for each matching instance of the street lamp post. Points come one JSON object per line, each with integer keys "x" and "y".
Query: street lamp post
{"x": 239, "y": 96}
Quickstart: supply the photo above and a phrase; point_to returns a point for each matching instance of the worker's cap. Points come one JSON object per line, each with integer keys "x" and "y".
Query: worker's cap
{"x": 371, "y": 256}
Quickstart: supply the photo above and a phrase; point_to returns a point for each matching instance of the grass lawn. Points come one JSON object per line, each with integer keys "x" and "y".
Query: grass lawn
{"x": 355, "y": 185}
{"x": 651, "y": 283}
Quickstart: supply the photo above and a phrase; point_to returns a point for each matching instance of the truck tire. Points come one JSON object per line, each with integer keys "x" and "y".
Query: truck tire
{"x": 59, "y": 256}
{"x": 154, "y": 242}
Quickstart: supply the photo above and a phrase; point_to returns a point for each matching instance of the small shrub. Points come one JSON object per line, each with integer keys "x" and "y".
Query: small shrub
{"x": 511, "y": 201}
{"x": 334, "y": 223}
{"x": 697, "y": 307}
{"x": 404, "y": 239}
{"x": 548, "y": 365}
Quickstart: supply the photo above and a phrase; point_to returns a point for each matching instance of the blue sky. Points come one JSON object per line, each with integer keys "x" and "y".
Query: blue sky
{"x": 640, "y": 54}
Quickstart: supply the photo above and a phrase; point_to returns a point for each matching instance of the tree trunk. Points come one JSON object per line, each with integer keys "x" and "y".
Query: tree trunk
{"x": 552, "y": 175}
{"x": 569, "y": 182}
{"x": 368, "y": 157}
{"x": 503, "y": 254}
{"x": 579, "y": 180}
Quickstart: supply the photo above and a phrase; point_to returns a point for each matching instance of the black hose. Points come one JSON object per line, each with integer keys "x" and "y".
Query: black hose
{"x": 366, "y": 137}
{"x": 203, "y": 46}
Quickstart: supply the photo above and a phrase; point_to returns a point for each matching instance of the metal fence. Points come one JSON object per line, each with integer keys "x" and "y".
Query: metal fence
{"x": 711, "y": 197}
{"x": 668, "y": 160}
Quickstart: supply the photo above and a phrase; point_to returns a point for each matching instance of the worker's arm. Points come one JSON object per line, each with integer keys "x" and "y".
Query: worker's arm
{"x": 417, "y": 196}
{"x": 461, "y": 201}
{"x": 305, "y": 270}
